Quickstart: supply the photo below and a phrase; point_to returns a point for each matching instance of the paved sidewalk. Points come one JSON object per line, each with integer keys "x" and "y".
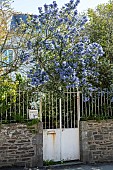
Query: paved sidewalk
{"x": 73, "y": 167}
{"x": 88, "y": 167}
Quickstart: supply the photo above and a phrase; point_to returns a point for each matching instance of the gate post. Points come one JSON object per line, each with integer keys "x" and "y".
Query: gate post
{"x": 78, "y": 106}
{"x": 41, "y": 109}
{"x": 60, "y": 113}
{"x": 60, "y": 109}
{"x": 78, "y": 115}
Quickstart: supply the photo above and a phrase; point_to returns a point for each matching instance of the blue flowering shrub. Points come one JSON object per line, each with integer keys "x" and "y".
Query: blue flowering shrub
{"x": 62, "y": 54}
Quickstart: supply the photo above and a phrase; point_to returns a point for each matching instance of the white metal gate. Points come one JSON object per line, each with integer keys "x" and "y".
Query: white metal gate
{"x": 61, "y": 126}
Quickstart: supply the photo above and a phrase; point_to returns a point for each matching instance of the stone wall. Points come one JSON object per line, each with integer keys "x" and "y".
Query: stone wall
{"x": 21, "y": 145}
{"x": 96, "y": 141}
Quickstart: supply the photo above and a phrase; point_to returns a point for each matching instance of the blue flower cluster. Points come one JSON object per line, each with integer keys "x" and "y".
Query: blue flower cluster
{"x": 38, "y": 77}
{"x": 29, "y": 45}
{"x": 24, "y": 56}
{"x": 61, "y": 48}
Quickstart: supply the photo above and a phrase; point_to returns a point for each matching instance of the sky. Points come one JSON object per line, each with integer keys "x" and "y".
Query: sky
{"x": 31, "y": 6}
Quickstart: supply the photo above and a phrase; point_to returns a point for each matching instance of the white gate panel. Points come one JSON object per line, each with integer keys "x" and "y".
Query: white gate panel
{"x": 61, "y": 127}
{"x": 51, "y": 144}
{"x": 61, "y": 144}
{"x": 70, "y": 144}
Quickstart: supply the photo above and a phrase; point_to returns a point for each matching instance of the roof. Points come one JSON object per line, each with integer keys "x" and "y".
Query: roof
{"x": 17, "y": 19}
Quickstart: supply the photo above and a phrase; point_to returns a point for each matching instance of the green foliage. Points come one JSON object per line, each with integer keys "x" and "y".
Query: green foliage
{"x": 33, "y": 122}
{"x": 100, "y": 27}
{"x": 22, "y": 82}
{"x": 100, "y": 30}
{"x": 101, "y": 114}
{"x": 48, "y": 162}
{"x": 11, "y": 99}
{"x": 96, "y": 117}
{"x": 18, "y": 118}
{"x": 7, "y": 87}
{"x": 51, "y": 162}
{"x": 32, "y": 125}
{"x": 7, "y": 94}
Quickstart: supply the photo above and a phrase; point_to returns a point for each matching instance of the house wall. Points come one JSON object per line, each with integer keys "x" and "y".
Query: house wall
{"x": 21, "y": 145}
{"x": 96, "y": 141}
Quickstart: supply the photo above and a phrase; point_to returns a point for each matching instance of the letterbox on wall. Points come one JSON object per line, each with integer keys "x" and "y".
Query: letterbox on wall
{"x": 33, "y": 114}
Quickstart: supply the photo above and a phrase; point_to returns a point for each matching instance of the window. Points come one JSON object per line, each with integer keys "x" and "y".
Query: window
{"x": 8, "y": 57}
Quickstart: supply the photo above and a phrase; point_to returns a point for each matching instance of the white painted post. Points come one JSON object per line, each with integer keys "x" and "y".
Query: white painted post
{"x": 60, "y": 113}
{"x": 78, "y": 106}
{"x": 60, "y": 109}
{"x": 78, "y": 115}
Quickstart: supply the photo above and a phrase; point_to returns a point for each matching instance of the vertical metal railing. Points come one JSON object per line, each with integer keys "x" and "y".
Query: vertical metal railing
{"x": 55, "y": 110}
{"x": 99, "y": 104}
{"x": 60, "y": 111}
